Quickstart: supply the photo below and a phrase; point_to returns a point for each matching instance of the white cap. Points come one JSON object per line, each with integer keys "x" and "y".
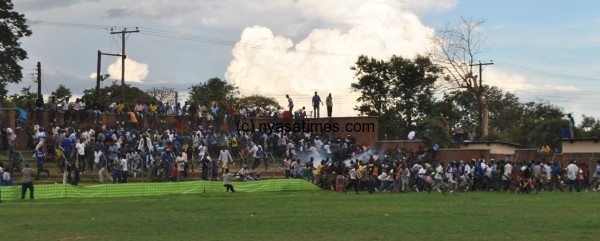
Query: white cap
{"x": 9, "y": 131}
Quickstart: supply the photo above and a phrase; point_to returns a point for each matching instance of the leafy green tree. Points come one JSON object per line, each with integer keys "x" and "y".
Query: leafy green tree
{"x": 589, "y": 127}
{"x": 26, "y": 99}
{"x": 541, "y": 124}
{"x": 61, "y": 93}
{"x": 398, "y": 90}
{"x": 111, "y": 93}
{"x": 374, "y": 85}
{"x": 13, "y": 27}
{"x": 254, "y": 101}
{"x": 213, "y": 90}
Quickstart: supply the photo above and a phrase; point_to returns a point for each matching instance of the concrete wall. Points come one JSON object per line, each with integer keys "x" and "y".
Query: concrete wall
{"x": 495, "y": 148}
{"x": 580, "y": 146}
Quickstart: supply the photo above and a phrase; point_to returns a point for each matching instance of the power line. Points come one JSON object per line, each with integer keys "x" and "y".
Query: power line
{"x": 529, "y": 70}
{"x": 191, "y": 37}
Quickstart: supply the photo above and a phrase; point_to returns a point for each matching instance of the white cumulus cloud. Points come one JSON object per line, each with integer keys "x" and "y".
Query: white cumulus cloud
{"x": 273, "y": 65}
{"x": 134, "y": 71}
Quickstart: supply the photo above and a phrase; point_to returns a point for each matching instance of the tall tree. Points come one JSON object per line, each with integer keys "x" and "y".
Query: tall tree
{"x": 260, "y": 101}
{"x": 213, "y": 90}
{"x": 61, "y": 93}
{"x": 373, "y": 84}
{"x": 13, "y": 27}
{"x": 456, "y": 48}
{"x": 111, "y": 93}
{"x": 398, "y": 90}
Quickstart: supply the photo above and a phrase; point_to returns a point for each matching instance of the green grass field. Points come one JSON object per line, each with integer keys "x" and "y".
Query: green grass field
{"x": 321, "y": 215}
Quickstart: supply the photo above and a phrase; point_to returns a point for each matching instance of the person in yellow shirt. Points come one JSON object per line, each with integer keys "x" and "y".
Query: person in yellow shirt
{"x": 119, "y": 111}
{"x": 319, "y": 174}
{"x": 152, "y": 112}
{"x": 360, "y": 173}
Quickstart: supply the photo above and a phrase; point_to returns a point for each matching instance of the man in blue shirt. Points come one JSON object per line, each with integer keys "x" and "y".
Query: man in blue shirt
{"x": 555, "y": 170}
{"x": 315, "y": 101}
{"x": 66, "y": 145}
{"x": 22, "y": 118}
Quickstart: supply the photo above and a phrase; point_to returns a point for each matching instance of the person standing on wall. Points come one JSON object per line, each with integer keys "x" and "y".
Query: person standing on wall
{"x": 290, "y": 104}
{"x": 329, "y": 103}
{"x": 571, "y": 125}
{"x": 316, "y": 109}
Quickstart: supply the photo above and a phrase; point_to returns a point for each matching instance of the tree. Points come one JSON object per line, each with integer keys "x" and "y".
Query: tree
{"x": 373, "y": 84}
{"x": 24, "y": 100}
{"x": 162, "y": 94}
{"x": 110, "y": 94}
{"x": 13, "y": 27}
{"x": 589, "y": 127}
{"x": 399, "y": 91}
{"x": 61, "y": 93}
{"x": 213, "y": 90}
{"x": 260, "y": 101}
{"x": 456, "y": 48}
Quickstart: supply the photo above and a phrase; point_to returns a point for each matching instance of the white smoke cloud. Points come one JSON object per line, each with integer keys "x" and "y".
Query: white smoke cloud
{"x": 134, "y": 71}
{"x": 273, "y": 65}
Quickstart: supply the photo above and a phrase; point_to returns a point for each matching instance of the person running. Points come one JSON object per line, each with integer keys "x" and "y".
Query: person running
{"x": 227, "y": 179}
{"x": 353, "y": 180}
{"x": 596, "y": 177}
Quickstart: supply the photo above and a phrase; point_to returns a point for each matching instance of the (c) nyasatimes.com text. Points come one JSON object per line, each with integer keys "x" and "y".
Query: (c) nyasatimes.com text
{"x": 303, "y": 126}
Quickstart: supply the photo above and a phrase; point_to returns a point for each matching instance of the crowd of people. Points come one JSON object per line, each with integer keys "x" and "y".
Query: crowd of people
{"x": 204, "y": 138}
{"x": 412, "y": 174}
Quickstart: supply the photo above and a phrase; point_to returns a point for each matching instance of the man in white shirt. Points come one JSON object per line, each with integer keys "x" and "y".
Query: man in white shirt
{"x": 572, "y": 171}
{"x": 65, "y": 110}
{"x": 224, "y": 157}
{"x": 506, "y": 175}
{"x": 125, "y": 168}
{"x": 353, "y": 182}
{"x": 438, "y": 178}
{"x": 227, "y": 179}
{"x": 80, "y": 147}
{"x": 290, "y": 103}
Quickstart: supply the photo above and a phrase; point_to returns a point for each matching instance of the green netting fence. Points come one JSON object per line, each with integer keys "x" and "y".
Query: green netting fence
{"x": 48, "y": 191}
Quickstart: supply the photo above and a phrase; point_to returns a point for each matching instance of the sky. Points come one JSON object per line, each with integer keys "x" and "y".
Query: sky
{"x": 541, "y": 50}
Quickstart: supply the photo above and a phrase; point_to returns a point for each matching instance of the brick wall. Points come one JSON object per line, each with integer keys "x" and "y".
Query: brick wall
{"x": 450, "y": 154}
{"x": 346, "y": 126}
{"x": 367, "y": 137}
{"x": 402, "y": 144}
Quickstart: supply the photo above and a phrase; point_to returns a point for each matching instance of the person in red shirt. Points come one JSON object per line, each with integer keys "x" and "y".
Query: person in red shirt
{"x": 174, "y": 172}
{"x": 179, "y": 125}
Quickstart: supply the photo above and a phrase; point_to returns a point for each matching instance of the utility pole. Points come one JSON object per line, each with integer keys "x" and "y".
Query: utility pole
{"x": 481, "y": 86}
{"x": 123, "y": 32}
{"x": 98, "y": 75}
{"x": 39, "y": 80}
